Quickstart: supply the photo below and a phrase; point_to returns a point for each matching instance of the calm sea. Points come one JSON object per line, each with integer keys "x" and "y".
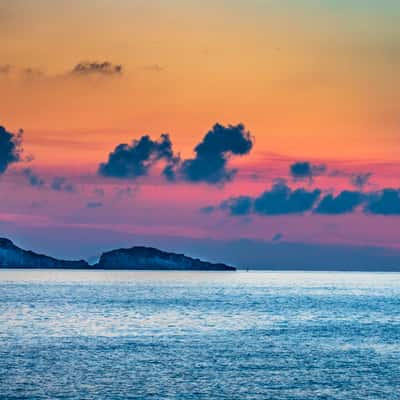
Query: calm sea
{"x": 176, "y": 335}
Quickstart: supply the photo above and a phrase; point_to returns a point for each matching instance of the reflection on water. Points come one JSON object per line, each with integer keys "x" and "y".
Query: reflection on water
{"x": 195, "y": 335}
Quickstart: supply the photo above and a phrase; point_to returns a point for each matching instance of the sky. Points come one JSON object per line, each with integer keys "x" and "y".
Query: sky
{"x": 202, "y": 127}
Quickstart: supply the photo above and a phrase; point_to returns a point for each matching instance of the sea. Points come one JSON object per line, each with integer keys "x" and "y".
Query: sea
{"x": 68, "y": 334}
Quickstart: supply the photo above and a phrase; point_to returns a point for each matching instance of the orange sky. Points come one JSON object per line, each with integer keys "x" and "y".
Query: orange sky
{"x": 308, "y": 80}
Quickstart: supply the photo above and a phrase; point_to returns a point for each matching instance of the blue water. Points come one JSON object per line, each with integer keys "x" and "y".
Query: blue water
{"x": 171, "y": 335}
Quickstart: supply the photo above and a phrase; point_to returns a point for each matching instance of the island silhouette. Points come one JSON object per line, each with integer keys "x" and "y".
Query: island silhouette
{"x": 134, "y": 258}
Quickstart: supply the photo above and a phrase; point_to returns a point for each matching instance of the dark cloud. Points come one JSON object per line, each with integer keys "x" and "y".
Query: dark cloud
{"x": 33, "y": 179}
{"x": 213, "y": 154}
{"x": 61, "y": 184}
{"x": 383, "y": 202}
{"x": 97, "y": 68}
{"x": 301, "y": 170}
{"x": 281, "y": 199}
{"x": 305, "y": 170}
{"x": 345, "y": 202}
{"x": 277, "y": 237}
{"x": 10, "y": 148}
{"x": 135, "y": 160}
{"x": 236, "y": 206}
{"x": 94, "y": 204}
{"x": 360, "y": 180}
{"x": 209, "y": 165}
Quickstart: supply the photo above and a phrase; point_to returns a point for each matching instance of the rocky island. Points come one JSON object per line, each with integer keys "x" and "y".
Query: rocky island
{"x": 150, "y": 258}
{"x": 145, "y": 258}
{"x": 11, "y": 256}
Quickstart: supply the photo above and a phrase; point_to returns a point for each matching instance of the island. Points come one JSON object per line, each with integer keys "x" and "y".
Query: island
{"x": 134, "y": 258}
{"x": 140, "y": 257}
{"x": 12, "y": 256}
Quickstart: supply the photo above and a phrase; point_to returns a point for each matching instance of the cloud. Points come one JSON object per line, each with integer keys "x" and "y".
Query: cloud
{"x": 10, "y": 148}
{"x": 305, "y": 170}
{"x": 383, "y": 202}
{"x": 96, "y": 68}
{"x": 60, "y": 184}
{"x": 209, "y": 165}
{"x": 82, "y": 69}
{"x": 345, "y": 202}
{"x": 241, "y": 205}
{"x": 33, "y": 179}
{"x": 135, "y": 160}
{"x": 94, "y": 204}
{"x": 281, "y": 199}
{"x": 277, "y": 237}
{"x": 302, "y": 170}
{"x": 214, "y": 152}
{"x": 360, "y": 180}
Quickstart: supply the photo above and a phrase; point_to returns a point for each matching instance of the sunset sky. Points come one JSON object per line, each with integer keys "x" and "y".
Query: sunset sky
{"x": 305, "y": 95}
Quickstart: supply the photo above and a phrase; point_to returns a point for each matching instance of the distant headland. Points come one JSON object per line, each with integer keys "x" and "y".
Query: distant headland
{"x": 134, "y": 258}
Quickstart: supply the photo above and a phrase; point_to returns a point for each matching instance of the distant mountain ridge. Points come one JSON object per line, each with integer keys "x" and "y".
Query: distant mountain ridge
{"x": 148, "y": 258}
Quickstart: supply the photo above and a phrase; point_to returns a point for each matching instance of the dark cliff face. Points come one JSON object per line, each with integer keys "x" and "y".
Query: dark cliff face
{"x": 13, "y": 256}
{"x": 151, "y": 258}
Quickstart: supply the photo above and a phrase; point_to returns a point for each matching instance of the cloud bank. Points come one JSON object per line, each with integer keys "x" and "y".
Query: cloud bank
{"x": 384, "y": 202}
{"x": 282, "y": 200}
{"x": 345, "y": 202}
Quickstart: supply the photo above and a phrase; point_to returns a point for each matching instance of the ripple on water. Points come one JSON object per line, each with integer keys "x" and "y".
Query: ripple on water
{"x": 80, "y": 335}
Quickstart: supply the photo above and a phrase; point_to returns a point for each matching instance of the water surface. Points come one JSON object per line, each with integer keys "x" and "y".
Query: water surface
{"x": 199, "y": 335}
